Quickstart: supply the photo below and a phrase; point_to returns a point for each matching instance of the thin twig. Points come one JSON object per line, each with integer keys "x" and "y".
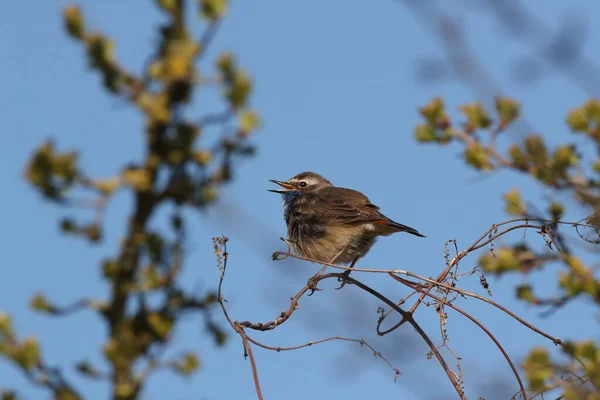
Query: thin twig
{"x": 207, "y": 37}
{"x": 312, "y": 343}
{"x": 480, "y": 325}
{"x": 248, "y": 348}
{"x": 555, "y": 340}
{"x": 409, "y": 317}
{"x": 223, "y": 267}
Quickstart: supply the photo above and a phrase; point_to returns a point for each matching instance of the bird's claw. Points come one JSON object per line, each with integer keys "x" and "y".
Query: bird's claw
{"x": 312, "y": 285}
{"x": 342, "y": 279}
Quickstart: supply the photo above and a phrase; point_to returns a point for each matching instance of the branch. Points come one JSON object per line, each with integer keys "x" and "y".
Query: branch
{"x": 362, "y": 342}
{"x": 220, "y": 246}
{"x": 207, "y": 37}
{"x": 284, "y": 316}
{"x": 480, "y": 325}
{"x": 216, "y": 119}
{"x": 408, "y": 316}
{"x": 72, "y": 308}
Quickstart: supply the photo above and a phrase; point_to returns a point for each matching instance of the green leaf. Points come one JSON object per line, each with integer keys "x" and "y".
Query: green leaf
{"x": 249, "y": 121}
{"x": 578, "y": 279}
{"x": 213, "y": 9}
{"x": 169, "y": 6}
{"x": 425, "y": 133}
{"x": 569, "y": 284}
{"x": 570, "y": 348}
{"x": 187, "y": 365}
{"x": 518, "y": 158}
{"x": 477, "y": 156}
{"x": 155, "y": 106}
{"x": 538, "y": 368}
{"x": 210, "y": 194}
{"x": 125, "y": 390}
{"x": 110, "y": 268}
{"x": 161, "y": 324}
{"x": 505, "y": 260}
{"x": 7, "y": 395}
{"x": 536, "y": 148}
{"x": 139, "y": 178}
{"x": 150, "y": 279}
{"x": 101, "y": 52}
{"x": 52, "y": 172}
{"x": 74, "y": 21}
{"x": 6, "y": 327}
{"x": 539, "y": 356}
{"x": 508, "y": 110}
{"x": 107, "y": 186}
{"x": 592, "y": 110}
{"x": 588, "y": 350}
{"x": 239, "y": 91}
{"x": 40, "y": 303}
{"x": 202, "y": 157}
{"x": 111, "y": 351}
{"x": 476, "y": 116}
{"x": 556, "y": 210}
{"x": 577, "y": 120}
{"x": 565, "y": 156}
{"x": 227, "y": 67}
{"x": 525, "y": 292}
{"x": 576, "y": 265}
{"x": 433, "y": 112}
{"x": 514, "y": 203}
{"x": 27, "y": 353}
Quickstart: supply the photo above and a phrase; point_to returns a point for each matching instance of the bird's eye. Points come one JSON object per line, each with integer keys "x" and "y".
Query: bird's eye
{"x": 302, "y": 184}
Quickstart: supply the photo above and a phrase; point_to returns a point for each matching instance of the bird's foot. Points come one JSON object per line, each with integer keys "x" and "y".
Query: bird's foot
{"x": 312, "y": 284}
{"x": 343, "y": 279}
{"x": 345, "y": 275}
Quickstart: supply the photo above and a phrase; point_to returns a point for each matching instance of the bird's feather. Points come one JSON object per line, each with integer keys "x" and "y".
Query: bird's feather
{"x": 336, "y": 205}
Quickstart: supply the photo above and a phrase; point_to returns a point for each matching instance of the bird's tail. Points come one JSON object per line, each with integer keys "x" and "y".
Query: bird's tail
{"x": 399, "y": 227}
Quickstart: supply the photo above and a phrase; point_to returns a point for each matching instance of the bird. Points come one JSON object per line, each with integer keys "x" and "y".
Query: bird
{"x": 332, "y": 224}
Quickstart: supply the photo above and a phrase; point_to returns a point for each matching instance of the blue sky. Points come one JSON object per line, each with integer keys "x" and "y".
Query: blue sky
{"x": 337, "y": 87}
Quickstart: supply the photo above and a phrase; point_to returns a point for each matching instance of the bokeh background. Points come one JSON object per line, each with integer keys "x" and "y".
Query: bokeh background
{"x": 338, "y": 85}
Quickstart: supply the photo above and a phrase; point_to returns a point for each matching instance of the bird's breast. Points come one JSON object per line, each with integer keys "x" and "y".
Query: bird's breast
{"x": 289, "y": 200}
{"x": 305, "y": 227}
{"x": 320, "y": 239}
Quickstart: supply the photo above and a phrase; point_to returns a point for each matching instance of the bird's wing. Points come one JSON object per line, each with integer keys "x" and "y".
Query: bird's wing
{"x": 340, "y": 205}
{"x": 332, "y": 205}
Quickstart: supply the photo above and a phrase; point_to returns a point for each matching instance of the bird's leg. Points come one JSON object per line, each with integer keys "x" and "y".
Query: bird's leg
{"x": 346, "y": 274}
{"x": 312, "y": 281}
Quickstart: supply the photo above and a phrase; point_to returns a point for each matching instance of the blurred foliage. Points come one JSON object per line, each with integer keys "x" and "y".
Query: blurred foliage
{"x": 572, "y": 177}
{"x": 148, "y": 262}
{"x": 7, "y": 395}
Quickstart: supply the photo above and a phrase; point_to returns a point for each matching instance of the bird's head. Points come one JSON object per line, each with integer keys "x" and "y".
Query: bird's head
{"x": 303, "y": 182}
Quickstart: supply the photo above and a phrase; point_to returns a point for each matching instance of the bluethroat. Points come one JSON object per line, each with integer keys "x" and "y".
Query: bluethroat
{"x": 332, "y": 224}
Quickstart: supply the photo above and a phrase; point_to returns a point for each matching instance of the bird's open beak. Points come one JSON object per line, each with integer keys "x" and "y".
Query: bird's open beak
{"x": 286, "y": 186}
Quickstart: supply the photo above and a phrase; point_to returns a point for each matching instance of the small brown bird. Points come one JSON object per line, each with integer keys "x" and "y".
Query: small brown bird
{"x": 332, "y": 224}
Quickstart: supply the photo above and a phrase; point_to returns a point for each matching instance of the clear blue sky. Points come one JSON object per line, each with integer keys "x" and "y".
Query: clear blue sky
{"x": 337, "y": 88}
